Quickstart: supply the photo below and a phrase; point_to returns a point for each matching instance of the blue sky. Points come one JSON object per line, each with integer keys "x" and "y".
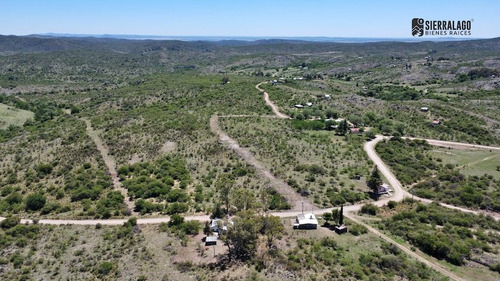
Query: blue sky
{"x": 242, "y": 18}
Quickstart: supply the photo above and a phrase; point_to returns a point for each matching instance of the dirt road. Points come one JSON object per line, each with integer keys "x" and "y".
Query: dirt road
{"x": 109, "y": 161}
{"x": 398, "y": 192}
{"x": 282, "y": 187}
{"x": 436, "y": 266}
{"x": 270, "y": 103}
{"x": 458, "y": 145}
{"x": 113, "y": 221}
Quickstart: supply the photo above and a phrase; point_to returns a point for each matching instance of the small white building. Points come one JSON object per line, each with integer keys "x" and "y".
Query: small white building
{"x": 306, "y": 221}
{"x": 211, "y": 240}
{"x": 326, "y": 97}
{"x": 217, "y": 224}
{"x": 424, "y": 109}
{"x": 384, "y": 189}
{"x": 309, "y": 104}
{"x": 299, "y": 106}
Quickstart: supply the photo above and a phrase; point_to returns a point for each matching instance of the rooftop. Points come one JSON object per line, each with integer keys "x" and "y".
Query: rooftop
{"x": 307, "y": 219}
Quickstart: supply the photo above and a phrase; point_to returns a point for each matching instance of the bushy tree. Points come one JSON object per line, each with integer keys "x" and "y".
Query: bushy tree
{"x": 10, "y": 222}
{"x": 175, "y": 220}
{"x": 35, "y": 202}
{"x": 191, "y": 227}
{"x": 327, "y": 217}
{"x": 241, "y": 237}
{"x": 369, "y": 209}
{"x": 272, "y": 227}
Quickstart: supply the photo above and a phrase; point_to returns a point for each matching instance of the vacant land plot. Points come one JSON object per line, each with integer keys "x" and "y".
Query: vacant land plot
{"x": 475, "y": 162}
{"x": 13, "y": 116}
{"x": 318, "y": 164}
{"x": 466, "y": 244}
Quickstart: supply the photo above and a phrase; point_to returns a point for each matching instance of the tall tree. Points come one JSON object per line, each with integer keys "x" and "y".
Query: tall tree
{"x": 272, "y": 228}
{"x": 242, "y": 236}
{"x": 207, "y": 230}
{"x": 223, "y": 186}
{"x": 342, "y": 127}
{"x": 335, "y": 216}
{"x": 375, "y": 180}
{"x": 242, "y": 199}
{"x": 341, "y": 215}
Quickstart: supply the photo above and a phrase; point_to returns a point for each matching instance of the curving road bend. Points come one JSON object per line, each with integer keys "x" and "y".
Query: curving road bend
{"x": 270, "y": 103}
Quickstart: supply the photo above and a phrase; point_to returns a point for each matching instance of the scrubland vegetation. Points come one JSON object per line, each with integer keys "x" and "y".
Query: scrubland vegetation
{"x": 150, "y": 103}
{"x": 318, "y": 164}
{"x": 459, "y": 238}
{"x": 414, "y": 164}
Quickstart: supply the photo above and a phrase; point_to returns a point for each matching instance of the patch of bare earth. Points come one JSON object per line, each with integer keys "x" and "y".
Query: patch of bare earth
{"x": 167, "y": 147}
{"x": 134, "y": 159}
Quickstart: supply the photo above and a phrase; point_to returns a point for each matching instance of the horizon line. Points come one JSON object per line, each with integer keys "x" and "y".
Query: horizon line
{"x": 249, "y": 38}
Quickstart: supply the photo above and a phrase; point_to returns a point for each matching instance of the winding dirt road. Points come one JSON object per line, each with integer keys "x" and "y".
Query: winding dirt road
{"x": 270, "y": 103}
{"x": 398, "y": 192}
{"x": 282, "y": 187}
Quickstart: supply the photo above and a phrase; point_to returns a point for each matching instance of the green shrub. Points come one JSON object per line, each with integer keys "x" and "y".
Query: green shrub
{"x": 369, "y": 209}
{"x": 392, "y": 204}
{"x": 105, "y": 268}
{"x": 175, "y": 220}
{"x": 177, "y": 208}
{"x": 14, "y": 198}
{"x": 35, "y": 202}
{"x": 357, "y": 229}
{"x": 10, "y": 222}
{"x": 17, "y": 260}
{"x": 163, "y": 227}
{"x": 191, "y": 227}
{"x": 144, "y": 207}
{"x": 44, "y": 169}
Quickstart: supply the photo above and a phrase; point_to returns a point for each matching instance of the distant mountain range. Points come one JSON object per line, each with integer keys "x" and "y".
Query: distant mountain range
{"x": 41, "y": 43}
{"x": 255, "y": 38}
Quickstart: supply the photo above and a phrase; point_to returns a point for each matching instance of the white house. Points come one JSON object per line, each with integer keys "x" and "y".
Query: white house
{"x": 217, "y": 224}
{"x": 309, "y": 104}
{"x": 306, "y": 221}
{"x": 326, "y": 97}
{"x": 299, "y": 106}
{"x": 384, "y": 189}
